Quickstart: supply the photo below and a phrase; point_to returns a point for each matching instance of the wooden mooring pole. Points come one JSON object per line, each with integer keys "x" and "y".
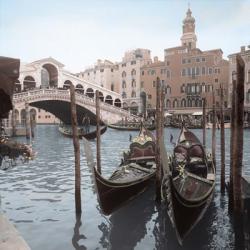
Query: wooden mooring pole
{"x": 232, "y": 138}
{"x": 204, "y": 121}
{"x": 158, "y": 139}
{"x": 98, "y": 134}
{"x": 222, "y": 140}
{"x": 76, "y": 150}
{"x": 13, "y": 121}
{"x": 32, "y": 126}
{"x": 238, "y": 135}
{"x": 214, "y": 131}
{"x": 27, "y": 120}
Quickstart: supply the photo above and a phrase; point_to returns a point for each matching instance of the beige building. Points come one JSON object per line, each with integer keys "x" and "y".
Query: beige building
{"x": 130, "y": 77}
{"x": 103, "y": 73}
{"x": 122, "y": 77}
{"x": 189, "y": 74}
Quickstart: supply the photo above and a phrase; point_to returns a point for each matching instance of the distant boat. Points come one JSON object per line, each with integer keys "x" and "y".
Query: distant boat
{"x": 189, "y": 187}
{"x": 132, "y": 177}
{"x": 81, "y": 133}
{"x": 131, "y": 126}
{"x": 209, "y": 125}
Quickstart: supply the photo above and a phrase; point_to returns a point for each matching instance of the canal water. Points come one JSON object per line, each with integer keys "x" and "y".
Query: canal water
{"x": 38, "y": 197}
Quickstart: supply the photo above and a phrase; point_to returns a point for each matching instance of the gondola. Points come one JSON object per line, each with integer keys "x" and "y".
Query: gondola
{"x": 89, "y": 136}
{"x": 132, "y": 177}
{"x": 189, "y": 186}
{"x": 130, "y": 126}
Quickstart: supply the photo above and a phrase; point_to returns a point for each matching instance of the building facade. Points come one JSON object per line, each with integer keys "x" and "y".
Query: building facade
{"x": 130, "y": 77}
{"x": 122, "y": 77}
{"x": 103, "y": 73}
{"x": 188, "y": 73}
{"x": 245, "y": 54}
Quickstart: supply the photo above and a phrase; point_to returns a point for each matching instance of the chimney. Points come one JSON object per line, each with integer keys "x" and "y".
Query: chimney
{"x": 242, "y": 49}
{"x": 156, "y": 59}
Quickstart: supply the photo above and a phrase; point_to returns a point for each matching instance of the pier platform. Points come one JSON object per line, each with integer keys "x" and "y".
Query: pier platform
{"x": 10, "y": 238}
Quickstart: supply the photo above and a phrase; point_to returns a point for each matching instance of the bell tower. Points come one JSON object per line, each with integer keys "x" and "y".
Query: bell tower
{"x": 188, "y": 38}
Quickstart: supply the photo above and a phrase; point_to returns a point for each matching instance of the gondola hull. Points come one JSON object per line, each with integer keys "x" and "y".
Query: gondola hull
{"x": 190, "y": 184}
{"x": 112, "y": 195}
{"x": 88, "y": 136}
{"x": 184, "y": 214}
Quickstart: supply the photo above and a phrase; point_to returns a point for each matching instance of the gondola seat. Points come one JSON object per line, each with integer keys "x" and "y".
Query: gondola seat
{"x": 138, "y": 151}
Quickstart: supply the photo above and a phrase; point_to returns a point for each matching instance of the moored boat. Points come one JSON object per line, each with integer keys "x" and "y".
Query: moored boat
{"x": 189, "y": 186}
{"x": 130, "y": 126}
{"x": 132, "y": 177}
{"x": 81, "y": 133}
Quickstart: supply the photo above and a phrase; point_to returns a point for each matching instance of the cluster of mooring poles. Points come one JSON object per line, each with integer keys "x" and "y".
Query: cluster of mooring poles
{"x": 236, "y": 140}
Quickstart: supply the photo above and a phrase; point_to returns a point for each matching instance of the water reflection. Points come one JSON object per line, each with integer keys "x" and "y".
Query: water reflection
{"x": 127, "y": 226}
{"x": 39, "y": 199}
{"x": 77, "y": 237}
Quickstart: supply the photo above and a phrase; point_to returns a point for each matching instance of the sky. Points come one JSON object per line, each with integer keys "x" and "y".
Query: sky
{"x": 78, "y": 32}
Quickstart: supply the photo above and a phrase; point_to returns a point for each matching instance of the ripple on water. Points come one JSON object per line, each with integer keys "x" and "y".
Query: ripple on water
{"x": 39, "y": 198}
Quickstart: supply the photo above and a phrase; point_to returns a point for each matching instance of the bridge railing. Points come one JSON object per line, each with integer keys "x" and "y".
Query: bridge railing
{"x": 65, "y": 95}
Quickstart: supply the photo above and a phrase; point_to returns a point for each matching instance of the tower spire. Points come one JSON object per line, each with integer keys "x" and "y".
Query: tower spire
{"x": 189, "y": 38}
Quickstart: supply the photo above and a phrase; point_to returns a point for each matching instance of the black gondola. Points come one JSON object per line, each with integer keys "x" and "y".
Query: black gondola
{"x": 131, "y": 126}
{"x": 189, "y": 186}
{"x": 132, "y": 177}
{"x": 81, "y": 133}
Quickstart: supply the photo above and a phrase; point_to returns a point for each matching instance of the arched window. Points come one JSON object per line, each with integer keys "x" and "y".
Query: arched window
{"x": 133, "y": 84}
{"x": 175, "y": 103}
{"x": 168, "y": 89}
{"x": 168, "y": 103}
{"x": 133, "y": 94}
{"x": 183, "y": 103}
{"x": 79, "y": 88}
{"x": 123, "y": 84}
{"x": 124, "y": 74}
{"x": 66, "y": 84}
{"x": 133, "y": 72}
{"x": 29, "y": 83}
{"x": 124, "y": 95}
{"x": 118, "y": 102}
{"x": 90, "y": 92}
{"x": 189, "y": 103}
{"x": 109, "y": 99}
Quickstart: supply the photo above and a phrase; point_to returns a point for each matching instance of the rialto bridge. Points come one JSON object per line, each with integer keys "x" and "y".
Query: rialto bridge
{"x": 44, "y": 84}
{"x": 57, "y": 102}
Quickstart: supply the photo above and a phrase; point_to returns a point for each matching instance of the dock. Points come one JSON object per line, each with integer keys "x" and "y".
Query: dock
{"x": 10, "y": 238}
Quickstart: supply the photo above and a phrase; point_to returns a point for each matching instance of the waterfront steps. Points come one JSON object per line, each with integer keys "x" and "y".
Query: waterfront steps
{"x": 10, "y": 238}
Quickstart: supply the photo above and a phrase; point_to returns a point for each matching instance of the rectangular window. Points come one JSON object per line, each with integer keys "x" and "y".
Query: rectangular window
{"x": 183, "y": 72}
{"x": 101, "y": 70}
{"x": 154, "y": 84}
{"x": 189, "y": 71}
{"x": 203, "y": 59}
{"x": 189, "y": 61}
{"x": 142, "y": 84}
{"x": 112, "y": 70}
{"x": 210, "y": 71}
{"x": 197, "y": 59}
{"x": 183, "y": 60}
{"x": 203, "y": 71}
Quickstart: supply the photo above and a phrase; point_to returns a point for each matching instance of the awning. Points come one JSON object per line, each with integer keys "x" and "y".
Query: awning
{"x": 167, "y": 114}
{"x": 197, "y": 113}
